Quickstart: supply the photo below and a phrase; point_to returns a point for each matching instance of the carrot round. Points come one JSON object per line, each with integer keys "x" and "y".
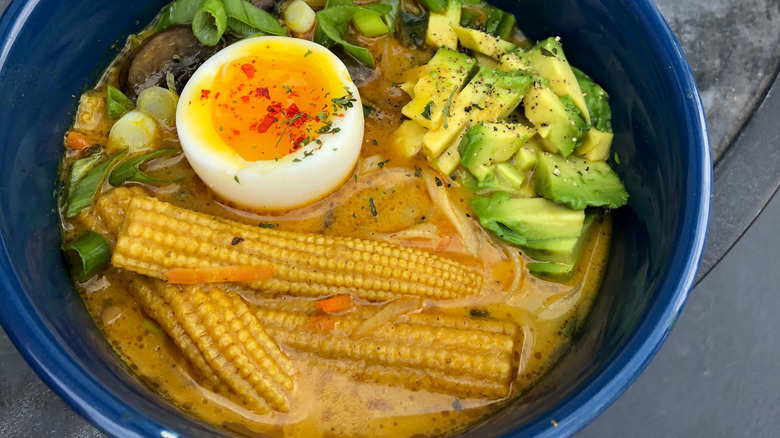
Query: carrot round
{"x": 219, "y": 274}
{"x": 335, "y": 304}
{"x": 76, "y": 140}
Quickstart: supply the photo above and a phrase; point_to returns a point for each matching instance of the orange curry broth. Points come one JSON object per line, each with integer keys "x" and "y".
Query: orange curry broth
{"x": 327, "y": 403}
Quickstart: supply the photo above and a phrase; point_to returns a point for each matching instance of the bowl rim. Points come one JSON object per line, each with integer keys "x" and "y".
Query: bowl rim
{"x": 62, "y": 374}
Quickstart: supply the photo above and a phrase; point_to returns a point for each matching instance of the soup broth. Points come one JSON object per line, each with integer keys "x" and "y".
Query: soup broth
{"x": 390, "y": 197}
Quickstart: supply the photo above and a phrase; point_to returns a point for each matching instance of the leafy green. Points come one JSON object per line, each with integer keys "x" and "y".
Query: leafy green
{"x": 83, "y": 195}
{"x": 242, "y": 14}
{"x": 392, "y": 17}
{"x": 438, "y": 6}
{"x": 332, "y": 23}
{"x": 79, "y": 169}
{"x": 118, "y": 104}
{"x": 130, "y": 169}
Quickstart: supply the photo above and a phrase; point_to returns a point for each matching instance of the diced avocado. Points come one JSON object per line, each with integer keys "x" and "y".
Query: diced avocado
{"x": 558, "y": 122}
{"x": 508, "y": 175}
{"x": 578, "y": 183}
{"x": 467, "y": 180}
{"x": 491, "y": 143}
{"x": 512, "y": 61}
{"x": 549, "y": 61}
{"x": 448, "y": 70}
{"x": 440, "y": 33}
{"x": 485, "y": 61}
{"x": 595, "y": 146}
{"x": 482, "y": 42}
{"x": 597, "y": 101}
{"x": 407, "y": 139}
{"x": 520, "y": 220}
{"x": 565, "y": 250}
{"x": 490, "y": 96}
{"x": 552, "y": 271}
{"x": 526, "y": 156}
{"x": 448, "y": 161}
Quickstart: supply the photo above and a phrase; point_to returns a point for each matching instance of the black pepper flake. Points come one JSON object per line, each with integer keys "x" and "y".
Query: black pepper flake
{"x": 438, "y": 181}
{"x": 237, "y": 240}
{"x": 479, "y": 313}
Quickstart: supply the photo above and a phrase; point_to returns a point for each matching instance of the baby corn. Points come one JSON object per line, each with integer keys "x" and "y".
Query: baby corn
{"x": 158, "y": 236}
{"x": 459, "y": 355}
{"x": 222, "y": 338}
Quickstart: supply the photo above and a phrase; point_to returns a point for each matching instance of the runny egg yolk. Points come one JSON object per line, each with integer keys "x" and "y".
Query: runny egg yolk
{"x": 266, "y": 107}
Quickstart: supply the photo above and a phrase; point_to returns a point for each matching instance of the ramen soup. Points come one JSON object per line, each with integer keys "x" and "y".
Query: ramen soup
{"x": 337, "y": 219}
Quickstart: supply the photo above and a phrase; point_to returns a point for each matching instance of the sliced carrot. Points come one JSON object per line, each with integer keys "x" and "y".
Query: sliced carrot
{"x": 219, "y": 274}
{"x": 76, "y": 140}
{"x": 335, "y": 304}
{"x": 322, "y": 323}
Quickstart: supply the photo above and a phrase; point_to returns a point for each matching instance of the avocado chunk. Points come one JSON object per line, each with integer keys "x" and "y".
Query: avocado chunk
{"x": 598, "y": 140}
{"x": 578, "y": 183}
{"x": 488, "y": 97}
{"x": 482, "y": 42}
{"x": 566, "y": 250}
{"x": 557, "y": 120}
{"x": 440, "y": 33}
{"x": 523, "y": 220}
{"x": 526, "y": 156}
{"x": 485, "y": 144}
{"x": 552, "y": 271}
{"x": 448, "y": 71}
{"x": 547, "y": 59}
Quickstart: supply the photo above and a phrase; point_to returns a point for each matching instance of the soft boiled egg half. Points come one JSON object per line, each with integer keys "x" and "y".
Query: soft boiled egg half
{"x": 271, "y": 122}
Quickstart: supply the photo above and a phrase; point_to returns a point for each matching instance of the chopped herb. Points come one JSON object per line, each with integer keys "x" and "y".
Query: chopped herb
{"x": 267, "y": 226}
{"x": 372, "y": 207}
{"x": 417, "y": 172}
{"x": 176, "y": 57}
{"x": 287, "y": 89}
{"x": 448, "y": 105}
{"x": 296, "y": 160}
{"x": 221, "y": 128}
{"x": 355, "y": 177}
{"x": 307, "y": 153}
{"x": 235, "y": 178}
{"x": 374, "y": 141}
{"x": 367, "y": 110}
{"x": 343, "y": 102}
{"x": 308, "y": 52}
{"x": 236, "y": 240}
{"x": 617, "y": 158}
{"x": 427, "y": 110}
{"x": 381, "y": 164}
{"x": 547, "y": 53}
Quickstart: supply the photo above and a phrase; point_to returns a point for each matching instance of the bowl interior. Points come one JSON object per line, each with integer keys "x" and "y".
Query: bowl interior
{"x": 51, "y": 50}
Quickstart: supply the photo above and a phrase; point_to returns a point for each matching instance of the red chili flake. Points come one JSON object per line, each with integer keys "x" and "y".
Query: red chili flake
{"x": 216, "y": 96}
{"x": 245, "y": 99}
{"x": 292, "y": 110}
{"x": 268, "y": 120}
{"x": 274, "y": 107}
{"x": 236, "y": 132}
{"x": 204, "y": 94}
{"x": 263, "y": 92}
{"x": 298, "y": 141}
{"x": 249, "y": 70}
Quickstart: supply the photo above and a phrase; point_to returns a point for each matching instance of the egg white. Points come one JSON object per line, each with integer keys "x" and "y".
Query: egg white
{"x": 301, "y": 177}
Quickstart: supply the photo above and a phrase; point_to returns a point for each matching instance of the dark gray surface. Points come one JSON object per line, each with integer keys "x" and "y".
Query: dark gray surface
{"x": 715, "y": 376}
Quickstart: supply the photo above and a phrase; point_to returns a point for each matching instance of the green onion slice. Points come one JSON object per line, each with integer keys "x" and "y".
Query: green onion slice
{"x": 332, "y": 23}
{"x": 83, "y": 195}
{"x": 79, "y": 169}
{"x": 130, "y": 169}
{"x": 210, "y": 22}
{"x": 178, "y": 12}
{"x": 93, "y": 251}
{"x": 118, "y": 104}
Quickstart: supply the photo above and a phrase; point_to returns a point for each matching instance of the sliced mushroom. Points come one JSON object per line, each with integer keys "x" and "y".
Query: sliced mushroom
{"x": 175, "y": 50}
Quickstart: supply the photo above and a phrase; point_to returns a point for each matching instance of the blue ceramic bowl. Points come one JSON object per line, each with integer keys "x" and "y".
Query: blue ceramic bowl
{"x": 50, "y": 50}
